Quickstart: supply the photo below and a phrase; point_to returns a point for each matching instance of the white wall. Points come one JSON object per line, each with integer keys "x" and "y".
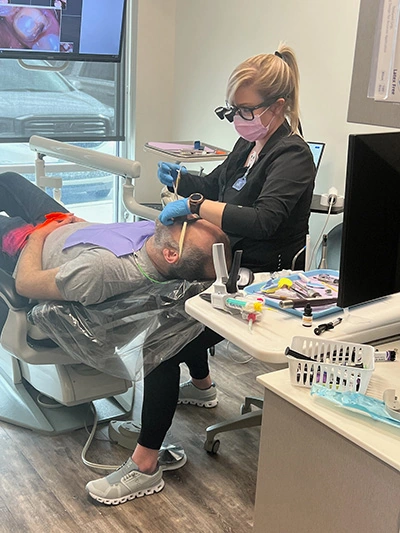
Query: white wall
{"x": 211, "y": 37}
{"x": 214, "y": 36}
{"x": 150, "y": 110}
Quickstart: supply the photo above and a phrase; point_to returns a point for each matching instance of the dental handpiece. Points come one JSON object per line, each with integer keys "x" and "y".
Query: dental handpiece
{"x": 314, "y": 302}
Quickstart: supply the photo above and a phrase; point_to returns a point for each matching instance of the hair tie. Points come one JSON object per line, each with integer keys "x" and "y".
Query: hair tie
{"x": 278, "y": 54}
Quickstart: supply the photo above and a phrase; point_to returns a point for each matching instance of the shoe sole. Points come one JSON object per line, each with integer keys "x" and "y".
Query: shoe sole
{"x": 138, "y": 494}
{"x": 199, "y": 403}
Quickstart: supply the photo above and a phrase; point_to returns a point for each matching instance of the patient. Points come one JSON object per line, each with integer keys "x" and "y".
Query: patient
{"x": 66, "y": 258}
{"x": 63, "y": 259}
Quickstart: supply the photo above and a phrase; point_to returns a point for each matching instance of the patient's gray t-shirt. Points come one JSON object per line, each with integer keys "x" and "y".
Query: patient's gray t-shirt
{"x": 89, "y": 273}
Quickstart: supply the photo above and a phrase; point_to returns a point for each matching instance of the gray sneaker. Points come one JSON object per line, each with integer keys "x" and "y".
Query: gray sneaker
{"x": 126, "y": 483}
{"x": 190, "y": 394}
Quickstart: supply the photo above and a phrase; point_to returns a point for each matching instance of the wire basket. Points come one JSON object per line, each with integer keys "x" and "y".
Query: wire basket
{"x": 345, "y": 366}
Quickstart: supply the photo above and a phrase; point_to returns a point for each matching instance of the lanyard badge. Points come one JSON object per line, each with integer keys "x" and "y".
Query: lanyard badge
{"x": 241, "y": 182}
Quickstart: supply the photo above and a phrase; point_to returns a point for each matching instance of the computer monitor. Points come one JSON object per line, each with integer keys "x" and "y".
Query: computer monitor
{"x": 317, "y": 149}
{"x": 370, "y": 250}
{"x": 68, "y": 30}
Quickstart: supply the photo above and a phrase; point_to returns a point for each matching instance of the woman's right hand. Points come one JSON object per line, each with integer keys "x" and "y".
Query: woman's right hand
{"x": 167, "y": 173}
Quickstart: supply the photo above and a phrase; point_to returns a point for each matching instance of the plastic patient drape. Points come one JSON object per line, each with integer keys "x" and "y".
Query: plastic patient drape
{"x": 128, "y": 335}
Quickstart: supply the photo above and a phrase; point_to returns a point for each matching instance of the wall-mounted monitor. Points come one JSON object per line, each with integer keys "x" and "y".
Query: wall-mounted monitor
{"x": 69, "y": 30}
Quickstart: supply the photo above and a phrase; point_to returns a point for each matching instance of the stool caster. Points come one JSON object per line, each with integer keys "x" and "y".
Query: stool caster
{"x": 212, "y": 447}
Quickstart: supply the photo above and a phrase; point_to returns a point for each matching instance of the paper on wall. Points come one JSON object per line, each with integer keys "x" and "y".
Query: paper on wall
{"x": 385, "y": 51}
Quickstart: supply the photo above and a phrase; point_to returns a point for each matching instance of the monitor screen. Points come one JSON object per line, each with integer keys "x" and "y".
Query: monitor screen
{"x": 317, "y": 149}
{"x": 73, "y": 30}
{"x": 370, "y": 251}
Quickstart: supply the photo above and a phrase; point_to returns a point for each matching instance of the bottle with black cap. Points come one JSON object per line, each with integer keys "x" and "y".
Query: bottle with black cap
{"x": 307, "y": 316}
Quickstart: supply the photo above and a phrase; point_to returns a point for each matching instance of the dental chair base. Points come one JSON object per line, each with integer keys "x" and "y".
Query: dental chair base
{"x": 125, "y": 433}
{"x": 53, "y": 398}
{"x": 39, "y": 409}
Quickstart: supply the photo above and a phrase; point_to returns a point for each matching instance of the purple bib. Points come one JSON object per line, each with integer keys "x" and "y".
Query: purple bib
{"x": 121, "y": 238}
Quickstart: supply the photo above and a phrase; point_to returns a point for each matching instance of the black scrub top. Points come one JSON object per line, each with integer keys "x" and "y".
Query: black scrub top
{"x": 268, "y": 205}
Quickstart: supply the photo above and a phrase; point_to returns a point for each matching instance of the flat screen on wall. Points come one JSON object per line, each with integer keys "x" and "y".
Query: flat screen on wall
{"x": 69, "y": 30}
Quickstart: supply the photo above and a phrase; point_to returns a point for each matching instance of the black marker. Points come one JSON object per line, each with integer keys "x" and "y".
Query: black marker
{"x": 298, "y": 355}
{"x": 326, "y": 327}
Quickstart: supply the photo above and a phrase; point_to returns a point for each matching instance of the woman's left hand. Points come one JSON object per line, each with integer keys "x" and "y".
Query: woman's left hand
{"x": 173, "y": 210}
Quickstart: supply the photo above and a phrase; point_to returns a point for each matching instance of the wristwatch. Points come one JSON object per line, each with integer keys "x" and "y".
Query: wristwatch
{"x": 195, "y": 201}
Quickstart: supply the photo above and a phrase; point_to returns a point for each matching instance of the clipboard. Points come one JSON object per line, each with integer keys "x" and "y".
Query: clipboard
{"x": 186, "y": 151}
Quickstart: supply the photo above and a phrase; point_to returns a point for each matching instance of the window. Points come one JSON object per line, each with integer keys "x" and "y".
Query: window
{"x": 89, "y": 193}
{"x": 96, "y": 79}
{"x": 81, "y": 104}
{"x": 67, "y": 107}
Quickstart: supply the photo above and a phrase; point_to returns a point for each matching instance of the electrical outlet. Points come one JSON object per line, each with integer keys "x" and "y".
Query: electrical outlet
{"x": 324, "y": 200}
{"x": 332, "y": 197}
{"x": 339, "y": 201}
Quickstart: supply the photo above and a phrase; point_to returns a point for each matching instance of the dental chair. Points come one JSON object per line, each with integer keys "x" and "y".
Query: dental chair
{"x": 57, "y": 357}
{"x": 63, "y": 365}
{"x": 41, "y": 387}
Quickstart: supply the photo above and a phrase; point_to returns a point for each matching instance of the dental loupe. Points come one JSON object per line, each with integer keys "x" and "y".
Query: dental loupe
{"x": 225, "y": 112}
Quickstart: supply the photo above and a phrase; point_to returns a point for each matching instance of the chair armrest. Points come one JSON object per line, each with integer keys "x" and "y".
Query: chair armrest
{"x": 8, "y": 293}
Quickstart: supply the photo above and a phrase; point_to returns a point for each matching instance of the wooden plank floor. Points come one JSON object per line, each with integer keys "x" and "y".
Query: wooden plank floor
{"x": 42, "y": 478}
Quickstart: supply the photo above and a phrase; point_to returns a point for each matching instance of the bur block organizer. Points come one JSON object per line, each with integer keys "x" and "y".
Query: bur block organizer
{"x": 343, "y": 366}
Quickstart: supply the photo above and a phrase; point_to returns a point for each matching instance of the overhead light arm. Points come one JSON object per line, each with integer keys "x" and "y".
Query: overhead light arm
{"x": 92, "y": 159}
{"x": 84, "y": 156}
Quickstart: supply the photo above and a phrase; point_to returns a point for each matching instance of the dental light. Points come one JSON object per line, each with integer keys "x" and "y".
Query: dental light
{"x": 120, "y": 166}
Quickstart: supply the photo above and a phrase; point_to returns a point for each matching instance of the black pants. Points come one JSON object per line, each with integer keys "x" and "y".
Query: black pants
{"x": 161, "y": 388}
{"x": 24, "y": 204}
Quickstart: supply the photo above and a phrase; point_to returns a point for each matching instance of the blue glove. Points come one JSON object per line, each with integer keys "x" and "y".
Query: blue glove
{"x": 168, "y": 172}
{"x": 179, "y": 208}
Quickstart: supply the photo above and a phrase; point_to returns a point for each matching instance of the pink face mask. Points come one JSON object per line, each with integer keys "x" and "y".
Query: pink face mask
{"x": 252, "y": 130}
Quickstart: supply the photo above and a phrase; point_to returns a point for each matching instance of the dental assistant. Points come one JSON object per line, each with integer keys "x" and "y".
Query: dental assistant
{"x": 261, "y": 194}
